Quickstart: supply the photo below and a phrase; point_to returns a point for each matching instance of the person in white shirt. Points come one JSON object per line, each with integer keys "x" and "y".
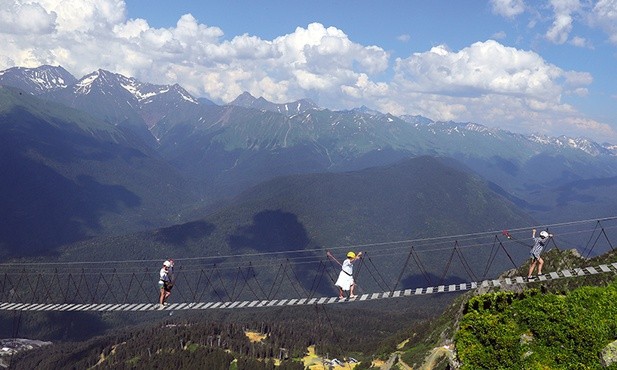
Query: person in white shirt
{"x": 165, "y": 282}
{"x": 345, "y": 281}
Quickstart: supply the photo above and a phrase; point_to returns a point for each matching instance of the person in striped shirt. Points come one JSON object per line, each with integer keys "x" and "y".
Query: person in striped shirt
{"x": 538, "y": 246}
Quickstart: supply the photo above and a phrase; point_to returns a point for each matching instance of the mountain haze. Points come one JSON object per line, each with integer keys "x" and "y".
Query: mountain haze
{"x": 67, "y": 176}
{"x": 416, "y": 198}
{"x": 226, "y": 149}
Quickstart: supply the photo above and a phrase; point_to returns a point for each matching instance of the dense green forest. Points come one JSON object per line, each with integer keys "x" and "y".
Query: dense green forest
{"x": 215, "y": 340}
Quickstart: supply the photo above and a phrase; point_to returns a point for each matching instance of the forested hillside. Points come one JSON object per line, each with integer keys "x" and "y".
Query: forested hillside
{"x": 67, "y": 176}
{"x": 212, "y": 342}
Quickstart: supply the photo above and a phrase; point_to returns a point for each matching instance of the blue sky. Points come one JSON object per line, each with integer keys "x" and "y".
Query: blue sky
{"x": 545, "y": 67}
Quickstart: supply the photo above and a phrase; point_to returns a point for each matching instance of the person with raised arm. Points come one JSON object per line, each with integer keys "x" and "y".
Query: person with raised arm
{"x": 538, "y": 246}
{"x": 345, "y": 281}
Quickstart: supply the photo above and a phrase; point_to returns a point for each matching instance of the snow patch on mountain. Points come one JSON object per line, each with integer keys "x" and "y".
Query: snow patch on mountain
{"x": 84, "y": 85}
{"x": 583, "y": 144}
{"x": 36, "y": 80}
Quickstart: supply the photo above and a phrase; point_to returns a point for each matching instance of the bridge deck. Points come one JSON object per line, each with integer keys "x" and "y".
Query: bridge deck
{"x": 110, "y": 307}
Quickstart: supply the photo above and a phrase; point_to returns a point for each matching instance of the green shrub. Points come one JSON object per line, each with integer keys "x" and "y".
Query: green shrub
{"x": 538, "y": 331}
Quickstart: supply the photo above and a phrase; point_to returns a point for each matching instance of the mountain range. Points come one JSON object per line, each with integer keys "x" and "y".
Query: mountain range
{"x": 157, "y": 156}
{"x": 106, "y": 168}
{"x": 67, "y": 176}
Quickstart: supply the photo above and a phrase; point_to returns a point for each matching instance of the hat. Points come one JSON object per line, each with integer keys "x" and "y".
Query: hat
{"x": 167, "y": 264}
{"x": 351, "y": 254}
{"x": 543, "y": 234}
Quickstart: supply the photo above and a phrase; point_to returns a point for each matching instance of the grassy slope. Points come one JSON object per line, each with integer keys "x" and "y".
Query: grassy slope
{"x": 539, "y": 326}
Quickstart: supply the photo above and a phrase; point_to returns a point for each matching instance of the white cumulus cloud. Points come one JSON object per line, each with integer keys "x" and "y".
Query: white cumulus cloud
{"x": 26, "y": 18}
{"x": 482, "y": 68}
{"x": 604, "y": 14}
{"x": 485, "y": 82}
{"x": 508, "y": 8}
{"x": 563, "y": 19}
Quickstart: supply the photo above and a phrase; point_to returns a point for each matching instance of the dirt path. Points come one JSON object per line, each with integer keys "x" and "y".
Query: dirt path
{"x": 436, "y": 354}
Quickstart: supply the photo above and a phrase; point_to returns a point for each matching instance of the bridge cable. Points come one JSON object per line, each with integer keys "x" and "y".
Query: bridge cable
{"x": 505, "y": 250}
{"x": 464, "y": 262}
{"x": 443, "y": 276}
{"x": 82, "y": 280}
{"x": 317, "y": 280}
{"x": 216, "y": 270}
{"x": 378, "y": 273}
{"x": 274, "y": 281}
{"x": 374, "y": 278}
{"x": 400, "y": 276}
{"x": 420, "y": 265}
{"x": 246, "y": 283}
{"x": 257, "y": 280}
{"x": 291, "y": 281}
{"x": 282, "y": 268}
{"x": 491, "y": 257}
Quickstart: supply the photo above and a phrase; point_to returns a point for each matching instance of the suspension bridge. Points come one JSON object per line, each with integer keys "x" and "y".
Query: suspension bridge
{"x": 388, "y": 270}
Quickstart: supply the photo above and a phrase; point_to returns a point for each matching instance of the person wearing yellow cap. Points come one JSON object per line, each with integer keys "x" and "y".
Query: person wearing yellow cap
{"x": 345, "y": 281}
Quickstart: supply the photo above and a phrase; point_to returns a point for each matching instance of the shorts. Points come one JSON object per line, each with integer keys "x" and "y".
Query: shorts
{"x": 165, "y": 285}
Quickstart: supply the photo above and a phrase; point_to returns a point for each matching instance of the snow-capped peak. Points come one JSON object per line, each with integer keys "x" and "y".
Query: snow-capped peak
{"x": 37, "y": 80}
{"x": 142, "y": 92}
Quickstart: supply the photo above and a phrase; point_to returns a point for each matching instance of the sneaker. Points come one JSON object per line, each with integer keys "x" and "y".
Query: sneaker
{"x": 529, "y": 278}
{"x": 161, "y": 306}
{"x": 341, "y": 297}
{"x": 353, "y": 296}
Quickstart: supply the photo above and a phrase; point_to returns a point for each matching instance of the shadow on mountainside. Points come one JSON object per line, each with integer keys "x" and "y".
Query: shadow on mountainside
{"x": 277, "y": 231}
{"x": 180, "y": 235}
{"x": 271, "y": 231}
{"x": 42, "y": 209}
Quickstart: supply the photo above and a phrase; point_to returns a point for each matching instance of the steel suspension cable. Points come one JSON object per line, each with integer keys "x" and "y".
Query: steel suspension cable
{"x": 376, "y": 244}
{"x": 443, "y": 276}
{"x": 291, "y": 281}
{"x": 246, "y": 283}
{"x": 317, "y": 281}
{"x": 491, "y": 257}
{"x": 274, "y": 281}
{"x": 257, "y": 280}
{"x": 222, "y": 284}
{"x": 420, "y": 265}
{"x": 400, "y": 276}
{"x": 373, "y": 276}
{"x": 465, "y": 264}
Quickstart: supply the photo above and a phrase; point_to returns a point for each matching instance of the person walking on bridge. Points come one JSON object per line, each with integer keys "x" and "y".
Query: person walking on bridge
{"x": 538, "y": 246}
{"x": 345, "y": 281}
{"x": 165, "y": 282}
